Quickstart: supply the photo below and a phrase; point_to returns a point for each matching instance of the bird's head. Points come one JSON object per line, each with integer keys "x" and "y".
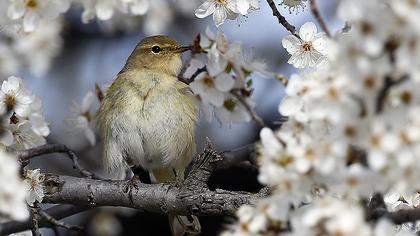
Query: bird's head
{"x": 159, "y": 53}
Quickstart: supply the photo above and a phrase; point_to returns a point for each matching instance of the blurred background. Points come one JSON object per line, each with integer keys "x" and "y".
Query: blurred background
{"x": 72, "y": 59}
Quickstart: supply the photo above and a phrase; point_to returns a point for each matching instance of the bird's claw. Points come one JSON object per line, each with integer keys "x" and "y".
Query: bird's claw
{"x": 134, "y": 182}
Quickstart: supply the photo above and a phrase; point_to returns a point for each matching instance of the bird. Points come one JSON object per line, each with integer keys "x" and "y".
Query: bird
{"x": 147, "y": 118}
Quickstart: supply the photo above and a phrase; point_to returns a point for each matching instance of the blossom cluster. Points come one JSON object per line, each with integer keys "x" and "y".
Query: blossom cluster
{"x": 83, "y": 117}
{"x": 224, "y": 86}
{"x": 23, "y": 126}
{"x": 16, "y": 194}
{"x": 13, "y": 190}
{"x": 23, "y": 123}
{"x": 353, "y": 128}
{"x": 226, "y": 9}
{"x": 26, "y": 26}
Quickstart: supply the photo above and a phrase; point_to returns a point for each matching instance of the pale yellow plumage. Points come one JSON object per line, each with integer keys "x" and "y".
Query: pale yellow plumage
{"x": 148, "y": 117}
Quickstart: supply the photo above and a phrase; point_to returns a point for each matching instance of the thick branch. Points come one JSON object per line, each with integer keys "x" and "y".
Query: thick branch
{"x": 161, "y": 198}
{"x": 193, "y": 197}
{"x": 282, "y": 20}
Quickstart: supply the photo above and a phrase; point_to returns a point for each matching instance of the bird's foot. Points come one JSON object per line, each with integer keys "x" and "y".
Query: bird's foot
{"x": 133, "y": 183}
{"x": 179, "y": 182}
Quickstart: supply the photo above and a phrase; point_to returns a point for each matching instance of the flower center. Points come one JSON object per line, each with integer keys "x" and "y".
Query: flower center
{"x": 10, "y": 101}
{"x": 223, "y": 2}
{"x": 31, "y": 3}
{"x": 406, "y": 97}
{"x": 366, "y": 28}
{"x": 307, "y": 47}
{"x": 14, "y": 119}
{"x": 208, "y": 81}
{"x": 229, "y": 104}
{"x": 88, "y": 116}
{"x": 370, "y": 82}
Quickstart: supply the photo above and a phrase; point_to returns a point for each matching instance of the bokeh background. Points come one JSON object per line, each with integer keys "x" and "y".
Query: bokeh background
{"x": 95, "y": 52}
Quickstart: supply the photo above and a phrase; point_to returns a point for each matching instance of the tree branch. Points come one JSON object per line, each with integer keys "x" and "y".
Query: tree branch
{"x": 58, "y": 212}
{"x": 26, "y": 155}
{"x": 377, "y": 209}
{"x": 249, "y": 108}
{"x": 193, "y": 76}
{"x": 35, "y": 223}
{"x": 383, "y": 93}
{"x": 57, "y": 223}
{"x": 192, "y": 197}
{"x": 282, "y": 20}
{"x": 318, "y": 16}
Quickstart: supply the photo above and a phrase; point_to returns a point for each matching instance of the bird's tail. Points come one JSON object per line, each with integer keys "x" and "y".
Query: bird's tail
{"x": 180, "y": 225}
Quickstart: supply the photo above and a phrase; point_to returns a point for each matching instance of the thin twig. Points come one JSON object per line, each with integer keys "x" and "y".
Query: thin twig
{"x": 99, "y": 93}
{"x": 383, "y": 93}
{"x": 193, "y": 76}
{"x": 237, "y": 156}
{"x": 249, "y": 108}
{"x": 34, "y": 220}
{"x": 58, "y": 223}
{"x": 282, "y": 20}
{"x": 26, "y": 155}
{"x": 58, "y": 212}
{"x": 376, "y": 209}
{"x": 318, "y": 16}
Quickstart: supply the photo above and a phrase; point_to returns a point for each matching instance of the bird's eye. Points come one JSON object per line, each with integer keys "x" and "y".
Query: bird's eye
{"x": 156, "y": 49}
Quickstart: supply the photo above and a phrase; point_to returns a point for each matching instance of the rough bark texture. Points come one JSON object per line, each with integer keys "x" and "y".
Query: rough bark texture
{"x": 192, "y": 197}
{"x": 161, "y": 198}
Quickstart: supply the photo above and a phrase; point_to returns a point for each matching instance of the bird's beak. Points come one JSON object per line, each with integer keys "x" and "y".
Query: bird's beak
{"x": 183, "y": 49}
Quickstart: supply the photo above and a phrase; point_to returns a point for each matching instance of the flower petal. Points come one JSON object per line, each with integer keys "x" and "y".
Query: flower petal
{"x": 291, "y": 44}
{"x": 307, "y": 31}
{"x": 205, "y": 9}
{"x": 242, "y": 6}
{"x": 30, "y": 21}
{"x": 16, "y": 10}
{"x": 140, "y": 7}
{"x": 87, "y": 102}
{"x": 224, "y": 82}
{"x": 219, "y": 16}
{"x": 104, "y": 10}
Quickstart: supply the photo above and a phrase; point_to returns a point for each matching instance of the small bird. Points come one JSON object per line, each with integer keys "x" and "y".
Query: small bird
{"x": 147, "y": 118}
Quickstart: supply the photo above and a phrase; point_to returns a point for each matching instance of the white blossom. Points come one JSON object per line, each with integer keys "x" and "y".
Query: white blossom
{"x": 34, "y": 179}
{"x": 24, "y": 136}
{"x": 105, "y": 9}
{"x": 31, "y": 12}
{"x": 25, "y": 126}
{"x": 82, "y": 117}
{"x": 38, "y": 49}
{"x": 309, "y": 49}
{"x": 232, "y": 111}
{"x": 220, "y": 9}
{"x": 14, "y": 97}
{"x": 294, "y": 5}
{"x": 244, "y": 6}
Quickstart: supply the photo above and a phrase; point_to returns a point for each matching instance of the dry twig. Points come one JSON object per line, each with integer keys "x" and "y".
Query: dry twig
{"x": 318, "y": 16}
{"x": 282, "y": 20}
{"x": 26, "y": 155}
{"x": 249, "y": 108}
